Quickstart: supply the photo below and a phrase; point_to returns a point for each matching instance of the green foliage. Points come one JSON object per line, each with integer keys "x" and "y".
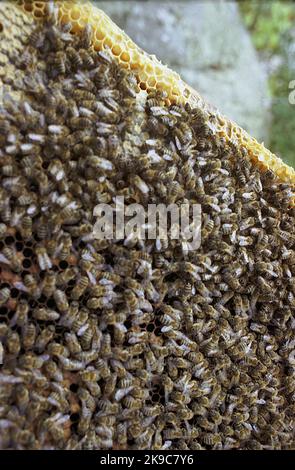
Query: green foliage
{"x": 270, "y": 23}
{"x": 282, "y": 140}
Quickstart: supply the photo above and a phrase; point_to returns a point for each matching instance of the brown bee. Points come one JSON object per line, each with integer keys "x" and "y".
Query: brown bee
{"x": 21, "y": 314}
{"x": 59, "y": 63}
{"x": 44, "y": 337}
{"x": 131, "y": 299}
{"x": 80, "y": 321}
{"x": 63, "y": 277}
{"x": 13, "y": 343}
{"x": 45, "y": 314}
{"x": 11, "y": 258}
{"x": 70, "y": 314}
{"x": 28, "y": 335}
{"x": 44, "y": 260}
{"x": 49, "y": 283}
{"x": 4, "y": 295}
{"x": 87, "y": 58}
{"x": 56, "y": 431}
{"x": 61, "y": 300}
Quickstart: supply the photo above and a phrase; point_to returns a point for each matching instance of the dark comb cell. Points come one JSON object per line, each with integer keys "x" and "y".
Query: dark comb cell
{"x": 28, "y": 252}
{"x": 9, "y": 240}
{"x": 63, "y": 264}
{"x": 26, "y": 263}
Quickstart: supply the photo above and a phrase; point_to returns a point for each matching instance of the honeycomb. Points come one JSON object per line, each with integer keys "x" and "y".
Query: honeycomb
{"x": 133, "y": 344}
{"x": 152, "y": 74}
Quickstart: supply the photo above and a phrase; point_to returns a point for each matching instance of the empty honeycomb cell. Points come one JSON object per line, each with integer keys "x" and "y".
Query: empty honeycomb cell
{"x": 74, "y": 417}
{"x": 66, "y": 5}
{"x": 129, "y": 44}
{"x": 28, "y": 252}
{"x": 10, "y": 314}
{"x": 9, "y": 240}
{"x": 63, "y": 264}
{"x": 155, "y": 398}
{"x": 26, "y": 264}
{"x": 75, "y": 14}
{"x": 39, "y": 13}
{"x": 74, "y": 387}
{"x": 28, "y": 7}
{"x": 157, "y": 331}
{"x": 81, "y": 24}
{"x": 150, "y": 327}
{"x": 118, "y": 38}
{"x": 14, "y": 293}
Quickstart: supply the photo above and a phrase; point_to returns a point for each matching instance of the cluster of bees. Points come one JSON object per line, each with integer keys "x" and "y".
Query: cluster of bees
{"x": 108, "y": 344}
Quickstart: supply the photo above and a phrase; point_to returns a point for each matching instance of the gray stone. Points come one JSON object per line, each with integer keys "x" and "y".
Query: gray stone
{"x": 208, "y": 45}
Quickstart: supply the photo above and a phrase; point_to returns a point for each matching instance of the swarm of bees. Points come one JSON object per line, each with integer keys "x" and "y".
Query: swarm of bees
{"x": 136, "y": 344}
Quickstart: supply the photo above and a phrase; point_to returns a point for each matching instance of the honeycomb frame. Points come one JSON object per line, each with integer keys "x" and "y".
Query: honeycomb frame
{"x": 149, "y": 71}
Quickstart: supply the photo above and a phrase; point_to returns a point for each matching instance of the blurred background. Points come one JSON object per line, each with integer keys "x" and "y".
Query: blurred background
{"x": 239, "y": 55}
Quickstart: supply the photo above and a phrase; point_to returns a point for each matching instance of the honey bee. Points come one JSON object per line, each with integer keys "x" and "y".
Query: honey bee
{"x": 84, "y": 422}
{"x": 70, "y": 364}
{"x": 65, "y": 246}
{"x": 89, "y": 375}
{"x": 11, "y": 257}
{"x": 110, "y": 385}
{"x": 49, "y": 284}
{"x": 51, "y": 370}
{"x": 103, "y": 368}
{"x": 61, "y": 300}
{"x": 59, "y": 63}
{"x": 36, "y": 38}
{"x": 45, "y": 314}
{"x": 13, "y": 343}
{"x": 44, "y": 337}
{"x": 86, "y": 37}
{"x": 95, "y": 303}
{"x": 86, "y": 337}
{"x": 172, "y": 433}
{"x": 121, "y": 434}
{"x": 56, "y": 431}
{"x": 21, "y": 314}
{"x": 30, "y": 361}
{"x": 29, "y": 336}
{"x": 43, "y": 258}
{"x": 87, "y": 58}
{"x": 4, "y": 295}
{"x": 3, "y": 229}
{"x": 63, "y": 278}
{"x": 22, "y": 397}
{"x": 131, "y": 299}
{"x": 145, "y": 439}
{"x": 6, "y": 212}
{"x": 70, "y": 314}
{"x": 80, "y": 287}
{"x": 74, "y": 57}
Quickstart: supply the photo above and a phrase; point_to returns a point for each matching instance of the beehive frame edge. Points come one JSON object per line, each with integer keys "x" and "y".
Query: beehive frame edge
{"x": 152, "y": 74}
